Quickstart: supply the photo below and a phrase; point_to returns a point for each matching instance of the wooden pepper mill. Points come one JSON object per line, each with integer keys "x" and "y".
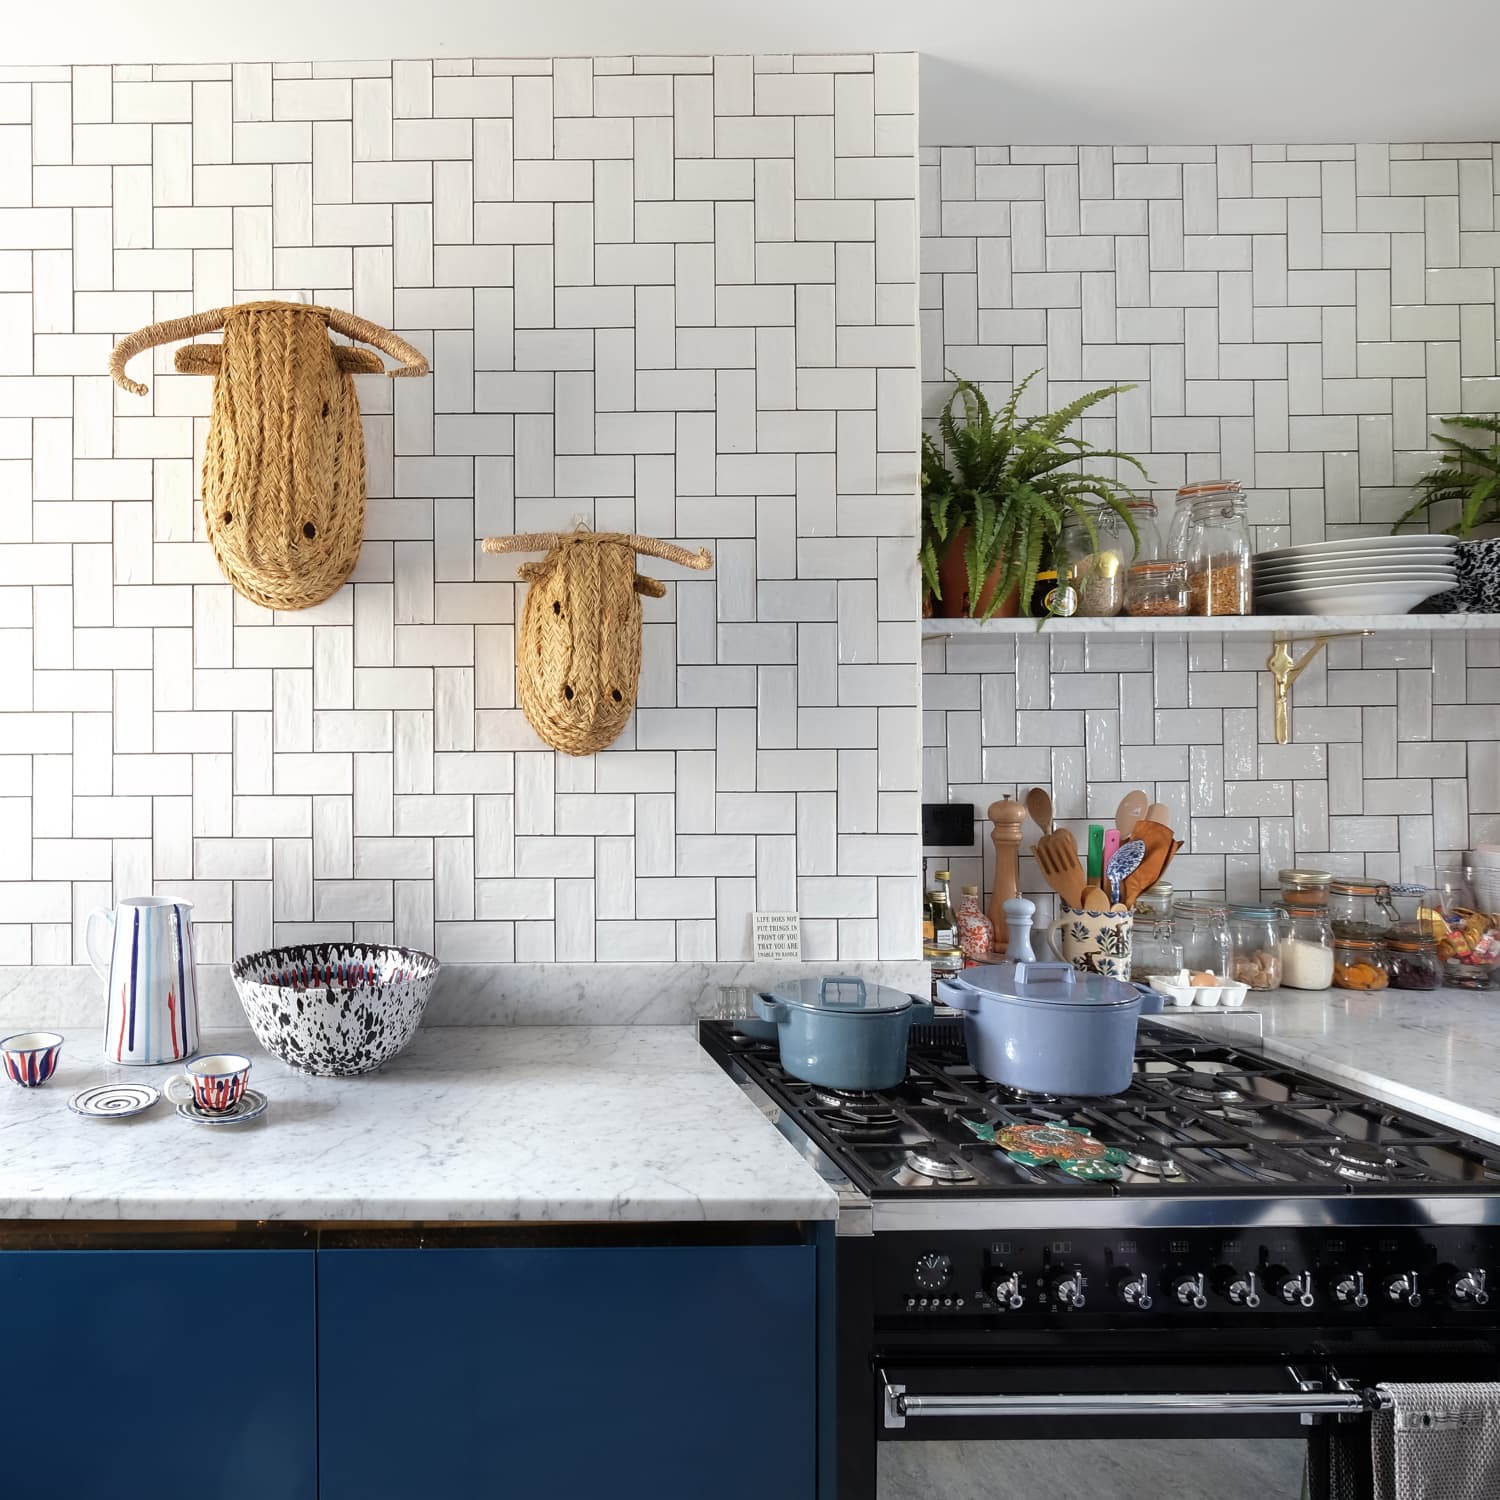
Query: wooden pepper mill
{"x": 1007, "y": 818}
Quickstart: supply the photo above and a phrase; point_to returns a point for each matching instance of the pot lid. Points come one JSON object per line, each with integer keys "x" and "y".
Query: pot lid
{"x": 843, "y": 993}
{"x": 1049, "y": 984}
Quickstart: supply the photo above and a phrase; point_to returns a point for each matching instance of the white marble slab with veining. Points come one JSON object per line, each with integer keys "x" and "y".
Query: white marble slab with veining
{"x": 1436, "y": 1052}
{"x": 497, "y": 1124}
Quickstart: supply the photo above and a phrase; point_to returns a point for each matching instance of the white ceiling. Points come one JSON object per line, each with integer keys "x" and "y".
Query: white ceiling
{"x": 994, "y": 71}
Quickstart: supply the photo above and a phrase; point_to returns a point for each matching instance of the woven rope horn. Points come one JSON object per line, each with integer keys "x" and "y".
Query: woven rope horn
{"x": 284, "y": 466}
{"x": 578, "y": 660}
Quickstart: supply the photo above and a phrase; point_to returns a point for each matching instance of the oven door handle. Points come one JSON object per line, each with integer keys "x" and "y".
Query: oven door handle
{"x": 900, "y": 1404}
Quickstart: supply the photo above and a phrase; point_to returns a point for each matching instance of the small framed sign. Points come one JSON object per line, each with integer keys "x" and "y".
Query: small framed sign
{"x": 778, "y": 936}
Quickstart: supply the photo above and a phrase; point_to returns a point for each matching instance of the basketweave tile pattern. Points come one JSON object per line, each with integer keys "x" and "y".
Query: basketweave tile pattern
{"x": 1395, "y": 759}
{"x": 672, "y": 295}
{"x": 1295, "y": 317}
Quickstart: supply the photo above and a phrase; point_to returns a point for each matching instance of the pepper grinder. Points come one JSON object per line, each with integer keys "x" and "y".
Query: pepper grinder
{"x": 1007, "y": 818}
{"x": 1019, "y": 912}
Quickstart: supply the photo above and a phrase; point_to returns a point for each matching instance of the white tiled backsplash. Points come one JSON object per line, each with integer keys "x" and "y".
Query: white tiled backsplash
{"x": 668, "y": 295}
{"x": 1296, "y": 318}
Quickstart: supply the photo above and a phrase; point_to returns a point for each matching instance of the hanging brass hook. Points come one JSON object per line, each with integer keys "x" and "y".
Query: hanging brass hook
{"x": 1285, "y": 671}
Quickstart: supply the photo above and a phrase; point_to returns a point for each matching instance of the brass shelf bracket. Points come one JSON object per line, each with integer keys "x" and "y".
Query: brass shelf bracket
{"x": 1285, "y": 671}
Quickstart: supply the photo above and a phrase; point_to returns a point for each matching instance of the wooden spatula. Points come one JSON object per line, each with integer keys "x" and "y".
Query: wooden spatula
{"x": 1057, "y": 857}
{"x": 1157, "y": 838}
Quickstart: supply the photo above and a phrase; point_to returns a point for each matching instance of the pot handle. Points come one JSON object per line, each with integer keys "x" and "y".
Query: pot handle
{"x": 838, "y": 983}
{"x": 770, "y": 1010}
{"x": 959, "y": 994}
{"x": 921, "y": 1010}
{"x": 1061, "y": 974}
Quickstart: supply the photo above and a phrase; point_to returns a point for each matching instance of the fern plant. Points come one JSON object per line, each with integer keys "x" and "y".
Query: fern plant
{"x": 1013, "y": 482}
{"x": 1469, "y": 475}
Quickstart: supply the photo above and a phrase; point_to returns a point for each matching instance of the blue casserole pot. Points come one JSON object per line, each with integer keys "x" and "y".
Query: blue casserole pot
{"x": 841, "y": 1032}
{"x": 1047, "y": 1028}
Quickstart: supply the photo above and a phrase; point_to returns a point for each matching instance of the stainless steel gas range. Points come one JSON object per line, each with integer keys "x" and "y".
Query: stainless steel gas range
{"x": 1165, "y": 1292}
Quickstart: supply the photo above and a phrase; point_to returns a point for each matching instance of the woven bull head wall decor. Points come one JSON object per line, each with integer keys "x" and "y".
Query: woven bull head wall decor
{"x": 578, "y": 659}
{"x": 284, "y": 468}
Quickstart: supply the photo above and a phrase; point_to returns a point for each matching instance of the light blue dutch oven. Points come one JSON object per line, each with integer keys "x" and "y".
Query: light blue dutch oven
{"x": 841, "y": 1032}
{"x": 1047, "y": 1028}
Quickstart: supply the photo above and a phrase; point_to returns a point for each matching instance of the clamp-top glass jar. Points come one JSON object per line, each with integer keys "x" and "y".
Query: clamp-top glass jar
{"x": 1255, "y": 942}
{"x": 1095, "y": 562}
{"x": 1218, "y": 551}
{"x": 1202, "y": 928}
{"x": 1360, "y": 909}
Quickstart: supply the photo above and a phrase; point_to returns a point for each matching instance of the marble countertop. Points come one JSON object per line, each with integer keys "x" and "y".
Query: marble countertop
{"x": 1436, "y": 1052}
{"x": 573, "y": 1123}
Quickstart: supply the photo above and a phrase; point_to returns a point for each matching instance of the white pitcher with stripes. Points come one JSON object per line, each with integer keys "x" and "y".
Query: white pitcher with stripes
{"x": 146, "y": 960}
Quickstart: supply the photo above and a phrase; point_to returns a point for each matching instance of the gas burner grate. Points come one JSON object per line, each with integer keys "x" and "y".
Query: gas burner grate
{"x": 1359, "y": 1161}
{"x": 927, "y": 1161}
{"x": 861, "y": 1127}
{"x": 1151, "y": 1160}
{"x": 849, "y": 1100}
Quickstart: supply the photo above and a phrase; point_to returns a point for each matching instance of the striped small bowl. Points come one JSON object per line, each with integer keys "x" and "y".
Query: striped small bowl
{"x": 30, "y": 1057}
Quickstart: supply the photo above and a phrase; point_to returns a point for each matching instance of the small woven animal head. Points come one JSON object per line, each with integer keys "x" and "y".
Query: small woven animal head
{"x": 578, "y": 659}
{"x": 284, "y": 467}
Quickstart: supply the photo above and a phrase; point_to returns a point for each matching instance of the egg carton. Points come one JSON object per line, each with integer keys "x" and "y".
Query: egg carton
{"x": 1181, "y": 994}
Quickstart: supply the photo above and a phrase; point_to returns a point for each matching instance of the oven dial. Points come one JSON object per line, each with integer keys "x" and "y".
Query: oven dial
{"x": 933, "y": 1271}
{"x": 1404, "y": 1289}
{"x": 1068, "y": 1287}
{"x": 1133, "y": 1288}
{"x": 1239, "y": 1287}
{"x": 1295, "y": 1291}
{"x": 1468, "y": 1288}
{"x": 1006, "y": 1291}
{"x": 1349, "y": 1289}
{"x": 1188, "y": 1290}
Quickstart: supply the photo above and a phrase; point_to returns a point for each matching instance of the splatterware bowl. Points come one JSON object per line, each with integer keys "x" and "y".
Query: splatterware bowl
{"x": 30, "y": 1057}
{"x": 334, "y": 1009}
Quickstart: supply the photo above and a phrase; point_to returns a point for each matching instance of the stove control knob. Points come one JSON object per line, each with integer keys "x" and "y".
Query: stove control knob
{"x": 1068, "y": 1288}
{"x": 1295, "y": 1291}
{"x": 1006, "y": 1291}
{"x": 1239, "y": 1287}
{"x": 932, "y": 1271}
{"x": 1133, "y": 1288}
{"x": 1404, "y": 1289}
{"x": 1349, "y": 1289}
{"x": 1188, "y": 1290}
{"x": 1468, "y": 1288}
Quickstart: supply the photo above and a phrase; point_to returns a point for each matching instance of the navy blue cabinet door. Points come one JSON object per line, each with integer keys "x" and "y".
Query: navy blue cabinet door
{"x": 178, "y": 1374}
{"x": 674, "y": 1373}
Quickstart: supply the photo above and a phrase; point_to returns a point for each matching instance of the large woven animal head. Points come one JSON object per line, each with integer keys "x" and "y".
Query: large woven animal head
{"x": 578, "y": 659}
{"x": 284, "y": 468}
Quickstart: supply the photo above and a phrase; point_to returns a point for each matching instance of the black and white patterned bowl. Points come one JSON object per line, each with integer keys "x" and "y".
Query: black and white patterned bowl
{"x": 334, "y": 1009}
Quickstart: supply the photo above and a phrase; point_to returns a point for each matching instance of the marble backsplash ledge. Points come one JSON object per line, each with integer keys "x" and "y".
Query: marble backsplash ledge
{"x": 469, "y": 994}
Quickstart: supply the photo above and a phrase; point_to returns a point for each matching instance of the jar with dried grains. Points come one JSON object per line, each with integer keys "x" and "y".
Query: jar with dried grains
{"x": 1307, "y": 949}
{"x": 1202, "y": 927}
{"x": 1304, "y": 890}
{"x": 1095, "y": 561}
{"x": 1182, "y": 514}
{"x": 1156, "y": 588}
{"x": 1218, "y": 554}
{"x": 1360, "y": 909}
{"x": 1255, "y": 946}
{"x": 1359, "y": 964}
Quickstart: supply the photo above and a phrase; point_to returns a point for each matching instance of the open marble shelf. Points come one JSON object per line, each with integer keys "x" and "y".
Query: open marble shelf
{"x": 1269, "y": 625}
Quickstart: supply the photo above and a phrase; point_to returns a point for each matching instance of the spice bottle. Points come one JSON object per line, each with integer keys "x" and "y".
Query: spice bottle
{"x": 944, "y": 928}
{"x": 1307, "y": 949}
{"x": 1218, "y": 554}
{"x": 976, "y": 934}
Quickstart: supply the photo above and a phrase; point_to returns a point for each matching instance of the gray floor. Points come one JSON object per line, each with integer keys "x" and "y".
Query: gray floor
{"x": 1094, "y": 1470}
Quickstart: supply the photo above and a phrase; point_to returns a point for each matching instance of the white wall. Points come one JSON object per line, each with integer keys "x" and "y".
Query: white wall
{"x": 1018, "y": 71}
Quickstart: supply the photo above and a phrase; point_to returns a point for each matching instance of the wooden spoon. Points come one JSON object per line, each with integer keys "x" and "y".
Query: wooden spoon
{"x": 1094, "y": 899}
{"x": 1159, "y": 812}
{"x": 1131, "y": 810}
{"x": 1039, "y": 805}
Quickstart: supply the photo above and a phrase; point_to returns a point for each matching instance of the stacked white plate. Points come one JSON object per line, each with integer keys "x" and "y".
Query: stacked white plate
{"x": 1371, "y": 575}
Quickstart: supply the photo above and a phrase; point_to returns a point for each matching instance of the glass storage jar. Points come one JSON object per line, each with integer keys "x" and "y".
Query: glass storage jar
{"x": 1412, "y": 956}
{"x": 1154, "y": 903}
{"x": 1095, "y": 561}
{"x": 1255, "y": 946}
{"x": 1304, "y": 890}
{"x": 1202, "y": 928}
{"x": 1182, "y": 513}
{"x": 1307, "y": 950}
{"x": 1156, "y": 588}
{"x": 1154, "y": 948}
{"x": 1360, "y": 908}
{"x": 1359, "y": 964}
{"x": 1218, "y": 555}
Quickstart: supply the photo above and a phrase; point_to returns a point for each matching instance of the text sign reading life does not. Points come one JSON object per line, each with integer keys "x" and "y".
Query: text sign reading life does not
{"x": 778, "y": 935}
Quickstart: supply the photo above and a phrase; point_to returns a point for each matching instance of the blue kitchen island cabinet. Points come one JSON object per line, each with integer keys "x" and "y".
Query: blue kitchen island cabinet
{"x": 678, "y": 1372}
{"x": 179, "y": 1374}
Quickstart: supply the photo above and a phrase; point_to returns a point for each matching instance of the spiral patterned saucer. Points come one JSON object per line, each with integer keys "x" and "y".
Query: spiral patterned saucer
{"x": 113, "y": 1101}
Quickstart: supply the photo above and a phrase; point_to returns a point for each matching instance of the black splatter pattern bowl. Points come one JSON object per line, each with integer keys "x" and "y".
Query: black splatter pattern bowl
{"x": 334, "y": 1009}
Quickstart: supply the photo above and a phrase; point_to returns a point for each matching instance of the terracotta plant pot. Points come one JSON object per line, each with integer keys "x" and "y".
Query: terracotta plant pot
{"x": 954, "y": 578}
